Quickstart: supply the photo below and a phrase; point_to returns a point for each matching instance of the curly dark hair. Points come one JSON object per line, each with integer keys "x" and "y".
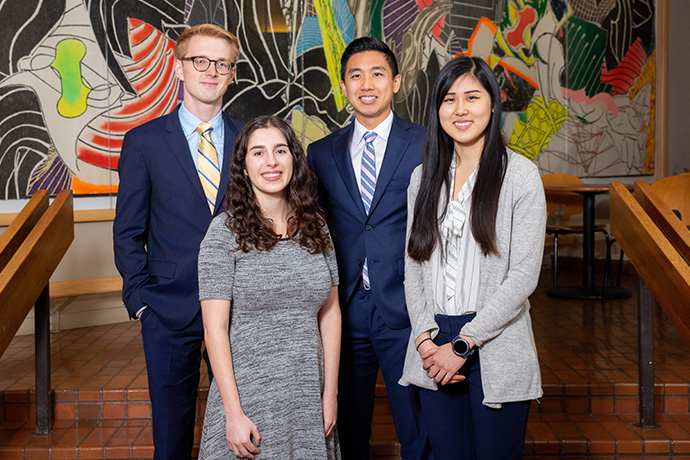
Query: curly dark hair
{"x": 306, "y": 221}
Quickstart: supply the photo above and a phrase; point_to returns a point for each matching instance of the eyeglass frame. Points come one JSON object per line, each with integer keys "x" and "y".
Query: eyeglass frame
{"x": 215, "y": 64}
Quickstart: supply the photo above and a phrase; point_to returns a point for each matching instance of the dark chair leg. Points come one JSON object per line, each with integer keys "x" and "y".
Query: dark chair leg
{"x": 555, "y": 260}
{"x": 607, "y": 268}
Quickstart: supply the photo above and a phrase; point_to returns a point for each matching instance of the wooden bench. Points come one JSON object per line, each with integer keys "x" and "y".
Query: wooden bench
{"x": 30, "y": 250}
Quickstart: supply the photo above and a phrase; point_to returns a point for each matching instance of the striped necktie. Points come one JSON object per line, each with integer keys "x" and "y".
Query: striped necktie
{"x": 209, "y": 172}
{"x": 368, "y": 185}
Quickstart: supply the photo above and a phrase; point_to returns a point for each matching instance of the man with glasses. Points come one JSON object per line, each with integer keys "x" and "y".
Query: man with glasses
{"x": 173, "y": 175}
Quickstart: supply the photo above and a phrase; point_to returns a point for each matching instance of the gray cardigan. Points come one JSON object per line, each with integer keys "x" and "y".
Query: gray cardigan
{"x": 502, "y": 328}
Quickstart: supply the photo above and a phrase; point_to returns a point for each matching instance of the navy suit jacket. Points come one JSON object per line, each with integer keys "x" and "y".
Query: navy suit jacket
{"x": 380, "y": 235}
{"x": 162, "y": 217}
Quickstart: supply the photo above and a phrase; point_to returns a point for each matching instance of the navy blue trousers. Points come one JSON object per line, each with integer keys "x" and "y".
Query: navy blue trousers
{"x": 172, "y": 363}
{"x": 459, "y": 425}
{"x": 368, "y": 343}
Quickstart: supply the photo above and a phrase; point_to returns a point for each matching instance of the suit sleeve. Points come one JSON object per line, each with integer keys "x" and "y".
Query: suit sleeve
{"x": 320, "y": 190}
{"x": 131, "y": 223}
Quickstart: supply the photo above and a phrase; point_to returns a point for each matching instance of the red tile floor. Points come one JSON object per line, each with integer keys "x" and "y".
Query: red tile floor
{"x": 589, "y": 409}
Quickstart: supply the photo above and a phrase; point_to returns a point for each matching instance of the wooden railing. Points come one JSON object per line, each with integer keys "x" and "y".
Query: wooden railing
{"x": 30, "y": 250}
{"x": 657, "y": 246}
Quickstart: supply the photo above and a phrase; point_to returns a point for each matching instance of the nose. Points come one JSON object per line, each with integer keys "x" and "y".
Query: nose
{"x": 460, "y": 108}
{"x": 271, "y": 159}
{"x": 367, "y": 82}
{"x": 211, "y": 69}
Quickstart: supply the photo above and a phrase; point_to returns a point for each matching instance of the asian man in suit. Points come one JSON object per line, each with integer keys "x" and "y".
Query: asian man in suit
{"x": 173, "y": 173}
{"x": 363, "y": 172}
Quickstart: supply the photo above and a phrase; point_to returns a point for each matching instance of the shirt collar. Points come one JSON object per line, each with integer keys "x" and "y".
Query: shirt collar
{"x": 189, "y": 121}
{"x": 382, "y": 130}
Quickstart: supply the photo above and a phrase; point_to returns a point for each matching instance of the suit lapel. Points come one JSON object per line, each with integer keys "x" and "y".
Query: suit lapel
{"x": 180, "y": 148}
{"x": 341, "y": 153}
{"x": 228, "y": 148}
{"x": 398, "y": 140}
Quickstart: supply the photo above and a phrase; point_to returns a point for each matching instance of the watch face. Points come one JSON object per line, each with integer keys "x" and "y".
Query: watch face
{"x": 460, "y": 346}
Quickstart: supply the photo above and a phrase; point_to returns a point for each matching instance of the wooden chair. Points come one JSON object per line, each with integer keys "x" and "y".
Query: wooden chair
{"x": 560, "y": 204}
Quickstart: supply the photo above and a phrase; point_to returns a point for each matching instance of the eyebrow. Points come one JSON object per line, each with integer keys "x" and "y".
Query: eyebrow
{"x": 263, "y": 146}
{"x": 466, "y": 92}
{"x": 358, "y": 69}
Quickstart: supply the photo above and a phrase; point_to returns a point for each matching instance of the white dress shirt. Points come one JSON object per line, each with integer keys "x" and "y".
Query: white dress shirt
{"x": 469, "y": 255}
{"x": 357, "y": 143}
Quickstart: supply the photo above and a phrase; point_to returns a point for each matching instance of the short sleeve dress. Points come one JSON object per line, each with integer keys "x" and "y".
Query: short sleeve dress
{"x": 275, "y": 343}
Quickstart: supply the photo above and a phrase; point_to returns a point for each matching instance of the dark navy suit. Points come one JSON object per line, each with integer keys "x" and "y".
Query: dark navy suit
{"x": 161, "y": 219}
{"x": 376, "y": 326}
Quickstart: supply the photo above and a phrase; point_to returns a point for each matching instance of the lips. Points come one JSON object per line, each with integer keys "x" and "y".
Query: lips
{"x": 272, "y": 176}
{"x": 462, "y": 124}
{"x": 367, "y": 99}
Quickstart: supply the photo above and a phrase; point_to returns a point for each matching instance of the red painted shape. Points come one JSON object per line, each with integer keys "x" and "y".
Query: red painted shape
{"x": 516, "y": 36}
{"x": 622, "y": 77}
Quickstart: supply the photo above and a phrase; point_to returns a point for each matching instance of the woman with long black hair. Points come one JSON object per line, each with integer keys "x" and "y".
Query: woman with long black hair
{"x": 475, "y": 242}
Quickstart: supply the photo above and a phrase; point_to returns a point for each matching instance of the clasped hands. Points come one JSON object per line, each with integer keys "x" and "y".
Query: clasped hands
{"x": 441, "y": 364}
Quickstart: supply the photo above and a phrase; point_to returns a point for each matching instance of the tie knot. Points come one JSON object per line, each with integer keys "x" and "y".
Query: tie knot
{"x": 204, "y": 127}
{"x": 369, "y": 137}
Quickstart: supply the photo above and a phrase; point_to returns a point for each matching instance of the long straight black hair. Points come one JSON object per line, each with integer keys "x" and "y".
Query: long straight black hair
{"x": 438, "y": 155}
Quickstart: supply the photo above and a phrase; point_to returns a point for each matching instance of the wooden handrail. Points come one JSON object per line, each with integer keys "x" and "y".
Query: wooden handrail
{"x": 28, "y": 271}
{"x": 20, "y": 227}
{"x": 652, "y": 254}
{"x": 670, "y": 225}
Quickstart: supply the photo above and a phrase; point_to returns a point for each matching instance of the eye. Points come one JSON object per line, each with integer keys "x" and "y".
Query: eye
{"x": 282, "y": 151}
{"x": 200, "y": 61}
{"x": 223, "y": 65}
{"x": 378, "y": 74}
{"x": 354, "y": 76}
{"x": 448, "y": 99}
{"x": 472, "y": 98}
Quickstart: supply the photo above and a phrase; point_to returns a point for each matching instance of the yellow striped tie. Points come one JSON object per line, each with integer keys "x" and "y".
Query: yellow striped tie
{"x": 209, "y": 172}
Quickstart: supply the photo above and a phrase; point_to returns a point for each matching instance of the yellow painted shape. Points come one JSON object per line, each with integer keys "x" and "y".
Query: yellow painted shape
{"x": 648, "y": 75}
{"x": 67, "y": 63}
{"x": 80, "y": 187}
{"x": 308, "y": 128}
{"x": 333, "y": 47}
{"x": 529, "y": 138}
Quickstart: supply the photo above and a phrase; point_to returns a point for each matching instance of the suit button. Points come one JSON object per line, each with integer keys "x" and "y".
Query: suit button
{"x": 359, "y": 262}
{"x": 368, "y": 227}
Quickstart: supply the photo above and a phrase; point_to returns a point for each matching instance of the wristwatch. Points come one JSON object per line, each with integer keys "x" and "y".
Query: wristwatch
{"x": 461, "y": 347}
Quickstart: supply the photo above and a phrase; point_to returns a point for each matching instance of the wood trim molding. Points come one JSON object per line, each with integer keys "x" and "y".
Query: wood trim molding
{"x": 91, "y": 215}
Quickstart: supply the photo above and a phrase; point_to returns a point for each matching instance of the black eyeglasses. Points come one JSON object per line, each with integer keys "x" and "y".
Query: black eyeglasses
{"x": 201, "y": 64}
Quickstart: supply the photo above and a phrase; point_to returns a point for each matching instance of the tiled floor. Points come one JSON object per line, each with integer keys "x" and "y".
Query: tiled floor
{"x": 589, "y": 368}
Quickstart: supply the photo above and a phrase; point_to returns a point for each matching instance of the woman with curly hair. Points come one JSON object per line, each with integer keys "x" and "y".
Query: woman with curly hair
{"x": 268, "y": 288}
{"x": 476, "y": 220}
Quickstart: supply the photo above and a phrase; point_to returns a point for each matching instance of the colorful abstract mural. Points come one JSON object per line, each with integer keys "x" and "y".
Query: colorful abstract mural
{"x": 577, "y": 76}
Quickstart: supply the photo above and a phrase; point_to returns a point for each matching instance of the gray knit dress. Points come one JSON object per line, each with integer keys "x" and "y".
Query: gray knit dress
{"x": 275, "y": 342}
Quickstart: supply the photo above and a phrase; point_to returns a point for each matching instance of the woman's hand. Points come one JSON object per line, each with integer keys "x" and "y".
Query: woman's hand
{"x": 239, "y": 431}
{"x": 442, "y": 364}
{"x": 329, "y": 405}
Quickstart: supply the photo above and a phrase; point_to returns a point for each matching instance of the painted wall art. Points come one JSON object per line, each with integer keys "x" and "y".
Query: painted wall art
{"x": 577, "y": 76}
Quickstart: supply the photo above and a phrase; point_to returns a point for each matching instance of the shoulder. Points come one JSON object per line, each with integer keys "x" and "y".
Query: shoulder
{"x": 326, "y": 141}
{"x": 416, "y": 129}
{"x": 234, "y": 125}
{"x": 520, "y": 168}
{"x": 157, "y": 125}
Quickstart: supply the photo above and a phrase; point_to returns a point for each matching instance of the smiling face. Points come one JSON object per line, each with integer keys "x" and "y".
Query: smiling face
{"x": 465, "y": 113}
{"x": 369, "y": 85}
{"x": 268, "y": 163}
{"x": 203, "y": 91}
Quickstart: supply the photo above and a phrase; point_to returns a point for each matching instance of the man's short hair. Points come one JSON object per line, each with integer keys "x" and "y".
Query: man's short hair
{"x": 206, "y": 30}
{"x": 362, "y": 44}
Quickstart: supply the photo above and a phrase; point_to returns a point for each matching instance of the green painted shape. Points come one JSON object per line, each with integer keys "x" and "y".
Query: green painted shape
{"x": 68, "y": 56}
{"x": 376, "y": 19}
{"x": 538, "y": 5}
{"x": 585, "y": 50}
{"x": 333, "y": 47}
